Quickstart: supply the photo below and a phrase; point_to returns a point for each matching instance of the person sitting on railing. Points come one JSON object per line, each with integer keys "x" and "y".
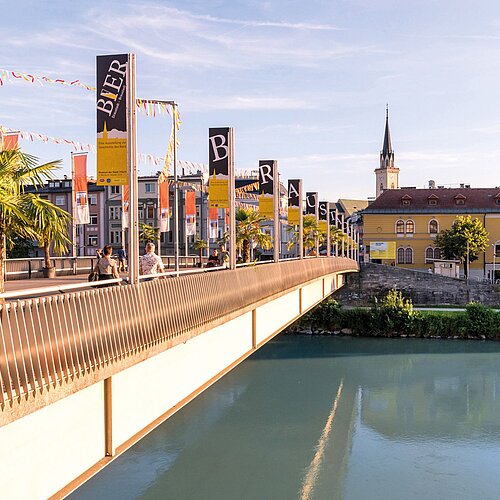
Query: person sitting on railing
{"x": 106, "y": 267}
{"x": 213, "y": 260}
{"x": 150, "y": 263}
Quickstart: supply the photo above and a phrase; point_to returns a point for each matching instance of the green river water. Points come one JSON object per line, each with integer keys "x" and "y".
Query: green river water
{"x": 328, "y": 418}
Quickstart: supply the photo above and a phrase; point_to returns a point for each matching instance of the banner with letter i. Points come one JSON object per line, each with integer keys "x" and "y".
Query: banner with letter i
{"x": 164, "y": 195}
{"x": 79, "y": 187}
{"x": 213, "y": 217}
{"x": 111, "y": 107}
{"x": 190, "y": 211}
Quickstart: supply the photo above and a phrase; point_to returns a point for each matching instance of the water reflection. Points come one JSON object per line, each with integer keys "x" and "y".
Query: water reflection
{"x": 415, "y": 419}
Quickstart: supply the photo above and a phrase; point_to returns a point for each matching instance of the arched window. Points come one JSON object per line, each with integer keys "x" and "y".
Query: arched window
{"x": 410, "y": 227}
{"x": 386, "y": 163}
{"x": 400, "y": 226}
{"x": 392, "y": 185}
{"x": 433, "y": 226}
{"x": 401, "y": 255}
{"x": 429, "y": 254}
{"x": 437, "y": 253}
{"x": 409, "y": 255}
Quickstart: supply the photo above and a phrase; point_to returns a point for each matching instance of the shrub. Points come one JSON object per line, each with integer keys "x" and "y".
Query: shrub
{"x": 481, "y": 320}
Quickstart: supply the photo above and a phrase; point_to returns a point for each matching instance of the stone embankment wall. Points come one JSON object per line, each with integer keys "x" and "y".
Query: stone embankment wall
{"x": 374, "y": 280}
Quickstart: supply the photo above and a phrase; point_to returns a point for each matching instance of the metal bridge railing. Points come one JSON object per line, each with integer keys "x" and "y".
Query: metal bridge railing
{"x": 50, "y": 341}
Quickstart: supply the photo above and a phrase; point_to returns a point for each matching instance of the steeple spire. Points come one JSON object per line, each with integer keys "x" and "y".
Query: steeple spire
{"x": 387, "y": 148}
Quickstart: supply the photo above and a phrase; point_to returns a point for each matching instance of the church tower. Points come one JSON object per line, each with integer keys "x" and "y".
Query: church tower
{"x": 387, "y": 175}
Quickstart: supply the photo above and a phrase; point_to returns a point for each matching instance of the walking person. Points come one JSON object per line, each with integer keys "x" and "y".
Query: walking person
{"x": 122, "y": 260}
{"x": 150, "y": 263}
{"x": 106, "y": 267}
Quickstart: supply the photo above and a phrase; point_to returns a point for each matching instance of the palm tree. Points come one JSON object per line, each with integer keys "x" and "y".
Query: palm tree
{"x": 309, "y": 235}
{"x": 18, "y": 170}
{"x": 248, "y": 230}
{"x": 200, "y": 245}
{"x": 50, "y": 228}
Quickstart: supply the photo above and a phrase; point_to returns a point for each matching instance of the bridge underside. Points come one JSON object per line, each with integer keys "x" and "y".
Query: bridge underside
{"x": 74, "y": 398}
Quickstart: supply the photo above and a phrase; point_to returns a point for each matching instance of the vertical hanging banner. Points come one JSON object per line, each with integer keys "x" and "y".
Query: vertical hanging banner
{"x": 111, "y": 106}
{"x": 312, "y": 204}
{"x": 190, "y": 211}
{"x": 333, "y": 215}
{"x": 294, "y": 197}
{"x": 9, "y": 141}
{"x": 163, "y": 190}
{"x": 125, "y": 204}
{"x": 268, "y": 172}
{"x": 79, "y": 182}
{"x": 220, "y": 153}
{"x": 323, "y": 216}
{"x": 213, "y": 217}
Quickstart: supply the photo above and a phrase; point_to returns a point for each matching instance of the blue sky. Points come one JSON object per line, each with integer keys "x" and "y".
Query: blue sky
{"x": 305, "y": 83}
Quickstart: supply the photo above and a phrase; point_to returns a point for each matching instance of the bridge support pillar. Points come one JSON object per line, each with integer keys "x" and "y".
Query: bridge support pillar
{"x": 109, "y": 449}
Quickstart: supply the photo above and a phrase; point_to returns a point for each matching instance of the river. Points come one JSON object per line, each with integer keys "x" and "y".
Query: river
{"x": 328, "y": 418}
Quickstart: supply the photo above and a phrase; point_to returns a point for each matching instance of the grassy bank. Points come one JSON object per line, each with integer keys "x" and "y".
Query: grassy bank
{"x": 395, "y": 317}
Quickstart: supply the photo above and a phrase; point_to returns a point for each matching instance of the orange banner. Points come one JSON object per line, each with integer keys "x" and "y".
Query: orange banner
{"x": 125, "y": 206}
{"x": 10, "y": 141}
{"x": 164, "y": 205}
{"x": 213, "y": 213}
{"x": 80, "y": 194}
{"x": 190, "y": 203}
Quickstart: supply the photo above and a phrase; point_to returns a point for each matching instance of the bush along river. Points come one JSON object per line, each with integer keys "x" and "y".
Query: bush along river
{"x": 394, "y": 316}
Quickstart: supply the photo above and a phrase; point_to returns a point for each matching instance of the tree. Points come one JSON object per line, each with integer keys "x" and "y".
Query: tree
{"x": 310, "y": 233}
{"x": 148, "y": 234}
{"x": 200, "y": 245}
{"x": 17, "y": 170}
{"x": 466, "y": 236}
{"x": 248, "y": 230}
{"x": 50, "y": 226}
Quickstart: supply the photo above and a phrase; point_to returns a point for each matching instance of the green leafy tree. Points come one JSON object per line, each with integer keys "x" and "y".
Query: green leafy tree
{"x": 466, "y": 236}
{"x": 248, "y": 230}
{"x": 148, "y": 234}
{"x": 21, "y": 248}
{"x": 18, "y": 170}
{"x": 50, "y": 226}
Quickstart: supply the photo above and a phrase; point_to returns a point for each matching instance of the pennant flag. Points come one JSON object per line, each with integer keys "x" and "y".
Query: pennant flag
{"x": 9, "y": 141}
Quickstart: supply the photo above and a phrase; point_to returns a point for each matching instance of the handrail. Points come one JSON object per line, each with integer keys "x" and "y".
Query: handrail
{"x": 48, "y": 342}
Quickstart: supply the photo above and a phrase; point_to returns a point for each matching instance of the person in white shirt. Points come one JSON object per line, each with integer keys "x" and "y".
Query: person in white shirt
{"x": 150, "y": 263}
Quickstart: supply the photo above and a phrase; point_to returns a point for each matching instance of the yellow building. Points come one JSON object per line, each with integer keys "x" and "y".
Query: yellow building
{"x": 411, "y": 218}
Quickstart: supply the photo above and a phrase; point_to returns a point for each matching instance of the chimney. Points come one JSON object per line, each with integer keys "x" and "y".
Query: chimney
{"x": 432, "y": 184}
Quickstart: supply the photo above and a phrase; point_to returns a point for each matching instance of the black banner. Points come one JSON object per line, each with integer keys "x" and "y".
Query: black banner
{"x": 294, "y": 193}
{"x": 323, "y": 210}
{"x": 267, "y": 171}
{"x": 218, "y": 154}
{"x": 333, "y": 217}
{"x": 312, "y": 204}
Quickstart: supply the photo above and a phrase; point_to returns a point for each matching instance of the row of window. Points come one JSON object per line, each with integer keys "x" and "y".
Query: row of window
{"x": 408, "y": 227}
{"x": 149, "y": 187}
{"x": 61, "y": 200}
{"x": 405, "y": 255}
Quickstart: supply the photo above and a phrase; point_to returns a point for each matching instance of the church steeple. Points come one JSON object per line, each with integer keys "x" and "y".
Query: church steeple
{"x": 387, "y": 148}
{"x": 387, "y": 175}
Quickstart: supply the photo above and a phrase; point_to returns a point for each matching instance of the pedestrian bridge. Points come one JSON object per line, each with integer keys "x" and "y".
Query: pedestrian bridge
{"x": 84, "y": 375}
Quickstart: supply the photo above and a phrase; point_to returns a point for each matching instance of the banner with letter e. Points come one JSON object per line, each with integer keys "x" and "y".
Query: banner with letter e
{"x": 111, "y": 107}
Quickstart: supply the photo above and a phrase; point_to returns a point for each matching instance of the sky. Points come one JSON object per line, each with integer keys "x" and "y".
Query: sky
{"x": 305, "y": 83}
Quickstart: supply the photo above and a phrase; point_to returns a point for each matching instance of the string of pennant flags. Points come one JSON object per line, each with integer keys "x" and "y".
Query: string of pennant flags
{"x": 146, "y": 107}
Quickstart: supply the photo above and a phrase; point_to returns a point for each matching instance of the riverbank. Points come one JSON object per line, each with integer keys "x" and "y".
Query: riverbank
{"x": 396, "y": 317}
